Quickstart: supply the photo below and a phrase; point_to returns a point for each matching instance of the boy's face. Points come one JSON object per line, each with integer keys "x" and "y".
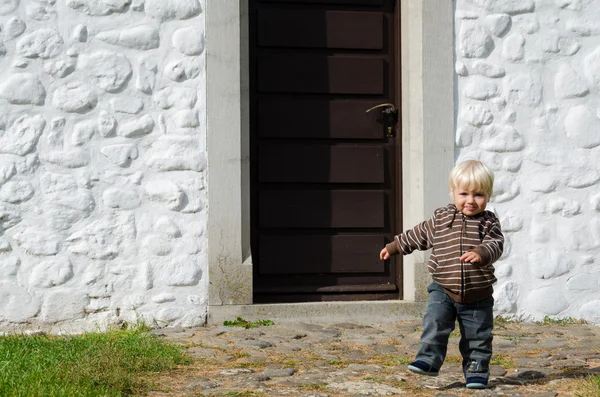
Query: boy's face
{"x": 469, "y": 202}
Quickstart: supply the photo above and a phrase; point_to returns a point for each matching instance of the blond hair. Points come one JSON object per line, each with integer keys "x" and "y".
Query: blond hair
{"x": 472, "y": 175}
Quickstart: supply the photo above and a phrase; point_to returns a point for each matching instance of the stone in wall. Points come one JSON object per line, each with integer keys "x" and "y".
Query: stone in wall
{"x": 10, "y": 215}
{"x": 502, "y": 138}
{"x": 80, "y": 33}
{"x": 524, "y": 89}
{"x": 157, "y": 245}
{"x": 506, "y": 6}
{"x": 42, "y": 43}
{"x": 475, "y": 41}
{"x": 568, "y": 84}
{"x": 480, "y": 88}
{"x": 183, "y": 69}
{"x": 506, "y": 298}
{"x": 583, "y": 26}
{"x": 477, "y": 115}
{"x": 580, "y": 174}
{"x": 189, "y": 40}
{"x": 75, "y": 97}
{"x": 512, "y": 162}
{"x": 194, "y": 198}
{"x": 577, "y": 234}
{"x": 38, "y": 242}
{"x": 171, "y": 153}
{"x": 98, "y": 7}
{"x": 107, "y": 125}
{"x": 582, "y": 126}
{"x": 136, "y": 127}
{"x": 543, "y": 183}
{"x": 143, "y": 37}
{"x": 186, "y": 118}
{"x": 592, "y": 67}
{"x": 146, "y": 78}
{"x": 51, "y": 273}
{"x": 488, "y": 69}
{"x": 165, "y": 10}
{"x": 110, "y": 71}
{"x": 104, "y": 239}
{"x": 176, "y": 97}
{"x": 21, "y": 137}
{"x": 83, "y": 132}
{"x": 14, "y": 27}
{"x": 163, "y": 298}
{"x": 464, "y": 136}
{"x": 17, "y": 305}
{"x": 586, "y": 282}
{"x": 179, "y": 271}
{"x": 23, "y": 89}
{"x": 165, "y": 192}
{"x": 7, "y": 170}
{"x": 60, "y": 68}
{"x": 63, "y": 201}
{"x": 526, "y": 24}
{"x": 123, "y": 197}
{"x": 499, "y": 24}
{"x": 547, "y": 300}
{"x": 16, "y": 191}
{"x": 513, "y": 48}
{"x": 188, "y": 245}
{"x": 127, "y": 104}
{"x": 590, "y": 312}
{"x": 511, "y": 221}
{"x": 595, "y": 202}
{"x": 505, "y": 188}
{"x": 121, "y": 154}
{"x": 9, "y": 267}
{"x": 547, "y": 265}
{"x": 63, "y": 305}
{"x": 8, "y": 6}
{"x": 166, "y": 226}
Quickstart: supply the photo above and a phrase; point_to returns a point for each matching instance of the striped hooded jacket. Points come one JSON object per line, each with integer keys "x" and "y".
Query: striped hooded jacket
{"x": 450, "y": 234}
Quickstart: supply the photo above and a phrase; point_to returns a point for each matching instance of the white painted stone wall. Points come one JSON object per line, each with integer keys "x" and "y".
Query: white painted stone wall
{"x": 102, "y": 160}
{"x": 529, "y": 106}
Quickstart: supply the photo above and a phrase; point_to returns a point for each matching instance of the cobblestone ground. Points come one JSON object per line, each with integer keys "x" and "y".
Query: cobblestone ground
{"x": 324, "y": 360}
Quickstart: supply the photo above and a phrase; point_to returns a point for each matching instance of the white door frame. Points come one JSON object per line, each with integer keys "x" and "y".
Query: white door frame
{"x": 428, "y": 130}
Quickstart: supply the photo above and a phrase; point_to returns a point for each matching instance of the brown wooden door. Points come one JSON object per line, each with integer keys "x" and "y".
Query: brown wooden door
{"x": 324, "y": 174}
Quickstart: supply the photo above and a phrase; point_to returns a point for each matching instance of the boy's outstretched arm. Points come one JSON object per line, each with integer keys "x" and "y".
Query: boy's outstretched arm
{"x": 419, "y": 237}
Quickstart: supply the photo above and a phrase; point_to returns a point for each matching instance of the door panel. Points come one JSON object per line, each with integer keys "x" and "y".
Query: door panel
{"x": 289, "y": 117}
{"x": 349, "y": 254}
{"x": 305, "y": 163}
{"x": 300, "y": 74}
{"x": 324, "y": 177}
{"x": 342, "y": 29}
{"x": 321, "y": 208}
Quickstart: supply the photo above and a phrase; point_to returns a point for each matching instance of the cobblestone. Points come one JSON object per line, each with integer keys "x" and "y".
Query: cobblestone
{"x": 353, "y": 360}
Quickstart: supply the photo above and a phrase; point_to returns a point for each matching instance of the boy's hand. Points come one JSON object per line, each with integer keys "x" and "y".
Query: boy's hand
{"x": 471, "y": 256}
{"x": 384, "y": 254}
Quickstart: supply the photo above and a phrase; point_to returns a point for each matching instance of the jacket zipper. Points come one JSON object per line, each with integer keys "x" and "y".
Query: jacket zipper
{"x": 462, "y": 264}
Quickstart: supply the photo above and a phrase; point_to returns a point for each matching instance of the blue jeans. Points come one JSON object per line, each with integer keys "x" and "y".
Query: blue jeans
{"x": 476, "y": 321}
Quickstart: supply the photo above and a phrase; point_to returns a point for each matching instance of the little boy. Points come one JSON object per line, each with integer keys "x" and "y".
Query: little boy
{"x": 466, "y": 241}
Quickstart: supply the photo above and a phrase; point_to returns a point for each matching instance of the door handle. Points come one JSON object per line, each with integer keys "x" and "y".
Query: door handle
{"x": 389, "y": 117}
{"x": 390, "y": 108}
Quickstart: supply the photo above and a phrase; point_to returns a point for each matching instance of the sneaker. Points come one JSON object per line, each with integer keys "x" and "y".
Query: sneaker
{"x": 477, "y": 382}
{"x": 422, "y": 368}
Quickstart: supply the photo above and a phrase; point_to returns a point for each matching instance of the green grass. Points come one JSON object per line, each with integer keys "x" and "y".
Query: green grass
{"x": 240, "y": 322}
{"x": 591, "y": 387}
{"x": 115, "y": 363}
{"x": 560, "y": 321}
{"x": 503, "y": 361}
